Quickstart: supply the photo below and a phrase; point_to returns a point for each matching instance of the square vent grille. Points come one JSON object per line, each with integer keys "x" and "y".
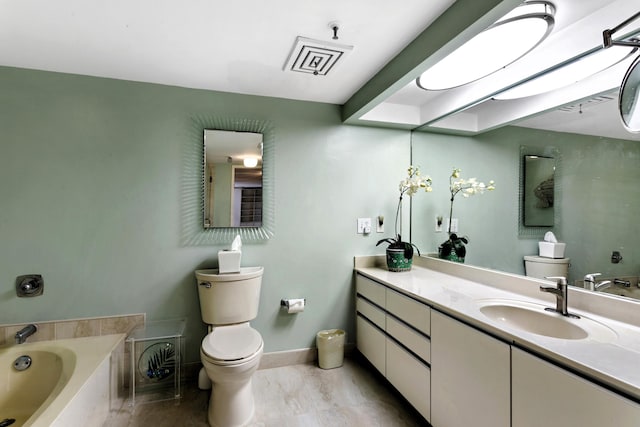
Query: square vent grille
{"x": 315, "y": 56}
{"x": 599, "y": 99}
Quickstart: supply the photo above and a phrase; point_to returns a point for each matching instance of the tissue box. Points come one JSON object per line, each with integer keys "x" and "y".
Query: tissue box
{"x": 229, "y": 261}
{"x": 551, "y": 250}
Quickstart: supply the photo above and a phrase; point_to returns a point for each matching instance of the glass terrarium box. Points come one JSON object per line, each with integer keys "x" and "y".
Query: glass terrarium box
{"x": 156, "y": 366}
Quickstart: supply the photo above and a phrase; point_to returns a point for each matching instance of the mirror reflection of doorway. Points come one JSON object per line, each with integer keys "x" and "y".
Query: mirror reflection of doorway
{"x": 233, "y": 178}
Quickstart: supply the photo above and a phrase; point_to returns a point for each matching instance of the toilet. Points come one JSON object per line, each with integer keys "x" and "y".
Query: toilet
{"x": 541, "y": 267}
{"x": 231, "y": 351}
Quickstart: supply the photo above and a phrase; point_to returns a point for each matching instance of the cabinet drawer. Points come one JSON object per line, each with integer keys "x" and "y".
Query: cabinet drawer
{"x": 371, "y": 290}
{"x": 411, "y": 377}
{"x": 371, "y": 312}
{"x": 371, "y": 342}
{"x": 411, "y": 311}
{"x": 414, "y": 341}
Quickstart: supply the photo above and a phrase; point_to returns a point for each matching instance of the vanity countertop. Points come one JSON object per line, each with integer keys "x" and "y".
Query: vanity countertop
{"x": 448, "y": 287}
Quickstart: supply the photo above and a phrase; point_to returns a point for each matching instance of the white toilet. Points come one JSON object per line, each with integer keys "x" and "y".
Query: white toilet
{"x": 231, "y": 352}
{"x": 541, "y": 267}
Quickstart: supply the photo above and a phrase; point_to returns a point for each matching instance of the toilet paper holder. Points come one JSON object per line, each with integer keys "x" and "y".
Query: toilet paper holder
{"x": 287, "y": 303}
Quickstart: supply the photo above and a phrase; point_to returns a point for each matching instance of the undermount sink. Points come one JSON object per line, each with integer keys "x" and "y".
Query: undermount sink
{"x": 533, "y": 318}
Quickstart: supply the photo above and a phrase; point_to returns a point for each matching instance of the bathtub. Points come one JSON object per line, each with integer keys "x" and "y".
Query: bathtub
{"x": 69, "y": 382}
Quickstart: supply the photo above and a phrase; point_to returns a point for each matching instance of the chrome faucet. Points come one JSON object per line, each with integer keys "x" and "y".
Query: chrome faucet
{"x": 561, "y": 293}
{"x": 591, "y": 284}
{"x": 24, "y": 333}
{"x": 625, "y": 283}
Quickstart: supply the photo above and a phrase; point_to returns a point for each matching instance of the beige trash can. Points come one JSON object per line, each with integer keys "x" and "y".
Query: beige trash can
{"x": 330, "y": 345}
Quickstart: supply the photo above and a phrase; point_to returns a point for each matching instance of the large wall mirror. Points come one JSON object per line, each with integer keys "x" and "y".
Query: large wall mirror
{"x": 228, "y": 162}
{"x": 232, "y": 179}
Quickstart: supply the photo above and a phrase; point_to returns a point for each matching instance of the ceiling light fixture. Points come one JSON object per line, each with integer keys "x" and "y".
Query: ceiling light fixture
{"x": 250, "y": 162}
{"x": 567, "y": 73}
{"x": 507, "y": 40}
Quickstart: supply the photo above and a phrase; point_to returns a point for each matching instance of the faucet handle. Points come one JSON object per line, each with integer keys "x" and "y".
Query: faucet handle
{"x": 560, "y": 280}
{"x": 591, "y": 276}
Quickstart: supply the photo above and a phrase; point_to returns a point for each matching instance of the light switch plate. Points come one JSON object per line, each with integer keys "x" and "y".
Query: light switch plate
{"x": 364, "y": 225}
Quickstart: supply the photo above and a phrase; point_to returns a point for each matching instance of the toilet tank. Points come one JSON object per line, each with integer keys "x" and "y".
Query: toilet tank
{"x": 229, "y": 298}
{"x": 541, "y": 267}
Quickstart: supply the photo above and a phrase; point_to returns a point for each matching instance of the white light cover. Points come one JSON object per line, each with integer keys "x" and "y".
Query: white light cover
{"x": 569, "y": 74}
{"x": 508, "y": 39}
{"x": 250, "y": 162}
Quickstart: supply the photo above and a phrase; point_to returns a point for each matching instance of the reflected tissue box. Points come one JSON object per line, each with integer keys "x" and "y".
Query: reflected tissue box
{"x": 229, "y": 261}
{"x": 551, "y": 250}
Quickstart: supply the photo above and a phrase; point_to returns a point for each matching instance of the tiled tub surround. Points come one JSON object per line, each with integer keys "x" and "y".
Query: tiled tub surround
{"x": 455, "y": 289}
{"x": 71, "y": 382}
{"x": 74, "y": 328}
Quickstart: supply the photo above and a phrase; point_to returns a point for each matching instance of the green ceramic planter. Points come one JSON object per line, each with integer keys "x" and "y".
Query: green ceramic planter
{"x": 396, "y": 260}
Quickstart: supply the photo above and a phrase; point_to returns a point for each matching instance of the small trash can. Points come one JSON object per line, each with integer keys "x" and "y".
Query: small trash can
{"x": 330, "y": 345}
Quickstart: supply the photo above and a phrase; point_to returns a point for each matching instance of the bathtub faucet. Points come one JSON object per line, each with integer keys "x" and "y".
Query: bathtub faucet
{"x": 24, "y": 333}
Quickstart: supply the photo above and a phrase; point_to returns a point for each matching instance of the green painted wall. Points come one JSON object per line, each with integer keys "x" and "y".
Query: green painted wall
{"x": 90, "y": 178}
{"x": 598, "y": 198}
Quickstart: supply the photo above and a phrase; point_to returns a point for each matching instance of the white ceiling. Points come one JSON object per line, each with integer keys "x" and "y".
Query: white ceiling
{"x": 233, "y": 46}
{"x": 242, "y": 46}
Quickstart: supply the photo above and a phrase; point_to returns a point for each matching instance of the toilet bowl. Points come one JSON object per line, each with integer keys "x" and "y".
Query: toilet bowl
{"x": 231, "y": 351}
{"x": 230, "y": 355}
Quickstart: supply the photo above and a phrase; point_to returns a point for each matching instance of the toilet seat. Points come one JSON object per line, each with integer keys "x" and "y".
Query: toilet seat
{"x": 233, "y": 344}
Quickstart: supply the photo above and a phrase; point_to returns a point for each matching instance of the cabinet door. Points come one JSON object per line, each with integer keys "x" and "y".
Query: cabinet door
{"x": 470, "y": 376}
{"x": 546, "y": 395}
{"x": 371, "y": 342}
{"x": 410, "y": 377}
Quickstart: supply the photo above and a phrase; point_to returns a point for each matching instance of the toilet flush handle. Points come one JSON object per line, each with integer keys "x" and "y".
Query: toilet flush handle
{"x": 205, "y": 284}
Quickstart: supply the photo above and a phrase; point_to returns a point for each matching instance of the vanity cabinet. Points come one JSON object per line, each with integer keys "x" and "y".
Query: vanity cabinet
{"x": 546, "y": 395}
{"x": 470, "y": 379}
{"x": 393, "y": 334}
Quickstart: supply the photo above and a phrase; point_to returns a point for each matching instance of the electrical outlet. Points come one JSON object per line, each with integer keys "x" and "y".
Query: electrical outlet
{"x": 380, "y": 224}
{"x": 454, "y": 225}
{"x": 364, "y": 225}
{"x": 439, "y": 224}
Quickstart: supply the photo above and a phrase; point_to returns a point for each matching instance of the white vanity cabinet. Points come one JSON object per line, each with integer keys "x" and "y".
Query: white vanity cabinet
{"x": 546, "y": 395}
{"x": 393, "y": 334}
{"x": 470, "y": 379}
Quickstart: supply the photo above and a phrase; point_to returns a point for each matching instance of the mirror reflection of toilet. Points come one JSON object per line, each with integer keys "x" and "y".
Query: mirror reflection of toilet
{"x": 541, "y": 267}
{"x": 231, "y": 351}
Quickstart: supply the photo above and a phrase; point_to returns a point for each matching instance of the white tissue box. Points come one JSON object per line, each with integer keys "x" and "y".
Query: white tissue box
{"x": 551, "y": 250}
{"x": 229, "y": 261}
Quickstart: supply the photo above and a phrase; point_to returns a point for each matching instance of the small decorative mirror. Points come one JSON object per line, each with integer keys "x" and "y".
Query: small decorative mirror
{"x": 629, "y": 100}
{"x": 232, "y": 179}
{"x": 539, "y": 191}
{"x": 207, "y": 189}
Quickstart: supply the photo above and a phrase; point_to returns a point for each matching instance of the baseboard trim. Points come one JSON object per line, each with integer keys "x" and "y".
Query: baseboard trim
{"x": 276, "y": 359}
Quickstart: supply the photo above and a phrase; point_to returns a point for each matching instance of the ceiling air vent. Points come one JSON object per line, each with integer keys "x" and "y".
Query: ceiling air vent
{"x": 599, "y": 99}
{"x": 315, "y": 57}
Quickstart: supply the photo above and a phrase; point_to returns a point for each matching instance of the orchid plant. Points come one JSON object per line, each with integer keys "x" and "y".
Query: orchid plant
{"x": 413, "y": 183}
{"x": 467, "y": 187}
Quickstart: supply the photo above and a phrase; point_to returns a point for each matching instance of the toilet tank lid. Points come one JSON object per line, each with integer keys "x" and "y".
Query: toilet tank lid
{"x": 233, "y": 342}
{"x": 545, "y": 260}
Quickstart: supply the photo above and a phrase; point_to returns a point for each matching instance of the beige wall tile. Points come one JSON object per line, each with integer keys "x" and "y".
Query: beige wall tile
{"x": 77, "y": 328}
{"x": 120, "y": 324}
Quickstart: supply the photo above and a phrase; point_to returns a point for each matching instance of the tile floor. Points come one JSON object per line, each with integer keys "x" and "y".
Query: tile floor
{"x": 299, "y": 395}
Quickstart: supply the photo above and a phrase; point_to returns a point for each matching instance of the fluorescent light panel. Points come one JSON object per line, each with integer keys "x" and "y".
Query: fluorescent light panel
{"x": 568, "y": 74}
{"x": 507, "y": 40}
